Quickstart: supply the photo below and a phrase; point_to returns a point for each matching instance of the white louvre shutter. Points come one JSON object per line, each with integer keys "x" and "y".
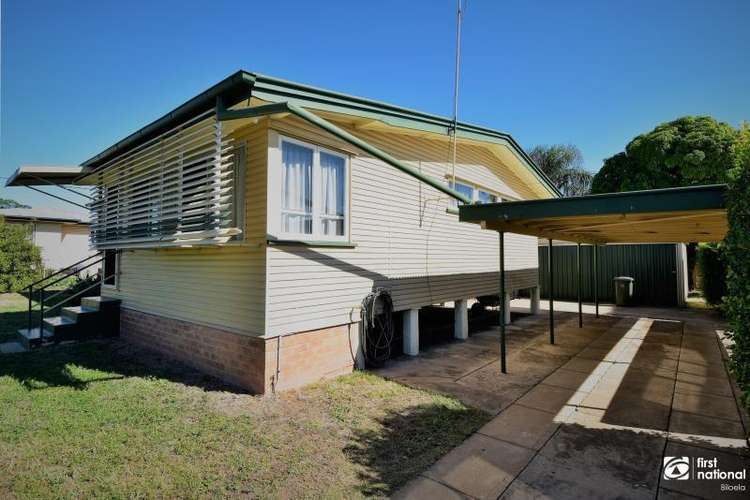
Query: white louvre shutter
{"x": 176, "y": 189}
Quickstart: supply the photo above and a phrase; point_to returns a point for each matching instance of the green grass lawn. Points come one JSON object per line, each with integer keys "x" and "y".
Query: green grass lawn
{"x": 101, "y": 419}
{"x": 14, "y": 309}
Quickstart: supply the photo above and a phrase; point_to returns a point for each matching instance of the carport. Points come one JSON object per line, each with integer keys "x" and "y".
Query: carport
{"x": 672, "y": 215}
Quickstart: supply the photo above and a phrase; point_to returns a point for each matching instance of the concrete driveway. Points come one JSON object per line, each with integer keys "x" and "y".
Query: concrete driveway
{"x": 634, "y": 406}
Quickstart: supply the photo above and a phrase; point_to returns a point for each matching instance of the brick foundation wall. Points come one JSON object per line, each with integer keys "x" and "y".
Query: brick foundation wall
{"x": 246, "y": 361}
{"x": 307, "y": 357}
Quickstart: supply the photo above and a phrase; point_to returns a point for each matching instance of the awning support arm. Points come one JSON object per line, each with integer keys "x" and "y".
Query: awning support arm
{"x": 223, "y": 114}
{"x": 61, "y": 187}
{"x": 58, "y": 197}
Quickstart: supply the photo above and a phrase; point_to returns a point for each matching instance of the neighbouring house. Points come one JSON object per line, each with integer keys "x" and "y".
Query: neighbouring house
{"x": 244, "y": 228}
{"x": 62, "y": 236}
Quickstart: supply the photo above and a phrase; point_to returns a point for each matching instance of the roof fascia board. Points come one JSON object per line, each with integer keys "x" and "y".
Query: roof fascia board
{"x": 657, "y": 200}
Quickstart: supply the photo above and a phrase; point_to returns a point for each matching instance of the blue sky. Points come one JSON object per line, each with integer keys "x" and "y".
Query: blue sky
{"x": 78, "y": 76}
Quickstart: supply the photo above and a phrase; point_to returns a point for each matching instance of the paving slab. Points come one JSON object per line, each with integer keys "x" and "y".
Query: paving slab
{"x": 690, "y": 423}
{"x": 527, "y": 427}
{"x": 566, "y": 378}
{"x": 635, "y": 411}
{"x": 701, "y": 369}
{"x": 707, "y": 405}
{"x": 481, "y": 467}
{"x": 11, "y": 348}
{"x": 425, "y": 488}
{"x": 590, "y": 463}
{"x": 702, "y": 384}
{"x": 547, "y": 398}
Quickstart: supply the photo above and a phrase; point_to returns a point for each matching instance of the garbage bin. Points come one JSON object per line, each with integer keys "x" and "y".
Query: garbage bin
{"x": 624, "y": 290}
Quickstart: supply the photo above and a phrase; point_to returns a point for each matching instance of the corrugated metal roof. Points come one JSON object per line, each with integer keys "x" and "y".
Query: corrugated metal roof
{"x": 671, "y": 215}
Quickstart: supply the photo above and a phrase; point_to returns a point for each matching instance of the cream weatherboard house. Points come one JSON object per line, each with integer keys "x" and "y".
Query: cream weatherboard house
{"x": 246, "y": 226}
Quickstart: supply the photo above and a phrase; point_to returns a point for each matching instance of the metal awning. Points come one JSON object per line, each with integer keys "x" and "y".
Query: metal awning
{"x": 672, "y": 215}
{"x": 27, "y": 175}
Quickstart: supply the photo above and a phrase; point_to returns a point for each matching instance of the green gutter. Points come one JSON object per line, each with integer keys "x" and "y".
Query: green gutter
{"x": 711, "y": 197}
{"x": 284, "y": 107}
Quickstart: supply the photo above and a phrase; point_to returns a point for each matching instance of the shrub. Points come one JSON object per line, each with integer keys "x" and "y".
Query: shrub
{"x": 737, "y": 255}
{"x": 713, "y": 272}
{"x": 20, "y": 259}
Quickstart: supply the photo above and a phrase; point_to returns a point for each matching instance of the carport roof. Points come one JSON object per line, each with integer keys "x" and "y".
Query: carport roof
{"x": 683, "y": 214}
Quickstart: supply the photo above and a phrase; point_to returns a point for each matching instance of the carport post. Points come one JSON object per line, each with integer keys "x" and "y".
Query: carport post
{"x": 580, "y": 304}
{"x": 502, "y": 303}
{"x": 596, "y": 279}
{"x": 550, "y": 262}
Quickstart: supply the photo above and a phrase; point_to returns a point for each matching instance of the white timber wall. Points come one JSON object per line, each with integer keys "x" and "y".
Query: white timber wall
{"x": 61, "y": 244}
{"x": 222, "y": 286}
{"x": 405, "y": 240}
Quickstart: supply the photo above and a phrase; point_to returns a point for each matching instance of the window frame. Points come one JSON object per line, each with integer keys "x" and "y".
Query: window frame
{"x": 475, "y": 190}
{"x": 275, "y": 155}
{"x": 115, "y": 285}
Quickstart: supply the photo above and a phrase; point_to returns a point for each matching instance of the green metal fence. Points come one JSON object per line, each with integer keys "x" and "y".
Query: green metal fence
{"x": 654, "y": 268}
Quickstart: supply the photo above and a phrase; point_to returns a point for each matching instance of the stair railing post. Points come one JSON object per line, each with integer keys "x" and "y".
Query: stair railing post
{"x": 41, "y": 315}
{"x": 31, "y": 293}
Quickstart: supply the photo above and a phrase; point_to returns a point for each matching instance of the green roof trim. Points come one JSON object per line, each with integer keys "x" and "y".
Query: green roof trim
{"x": 242, "y": 84}
{"x": 631, "y": 202}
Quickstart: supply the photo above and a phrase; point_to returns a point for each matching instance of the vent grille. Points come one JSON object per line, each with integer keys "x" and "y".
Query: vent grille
{"x": 176, "y": 189}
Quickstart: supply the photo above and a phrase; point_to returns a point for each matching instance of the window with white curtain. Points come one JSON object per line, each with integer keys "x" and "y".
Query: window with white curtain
{"x": 313, "y": 192}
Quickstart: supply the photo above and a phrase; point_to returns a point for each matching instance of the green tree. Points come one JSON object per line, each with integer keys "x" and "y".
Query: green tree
{"x": 563, "y": 164}
{"x": 8, "y": 203}
{"x": 691, "y": 150}
{"x": 20, "y": 259}
{"x": 737, "y": 257}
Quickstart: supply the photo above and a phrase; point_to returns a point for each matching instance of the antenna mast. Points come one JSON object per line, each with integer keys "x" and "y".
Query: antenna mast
{"x": 459, "y": 18}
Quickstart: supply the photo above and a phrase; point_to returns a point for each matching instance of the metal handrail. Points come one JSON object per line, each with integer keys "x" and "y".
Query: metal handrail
{"x": 79, "y": 293}
{"x": 71, "y": 271}
{"x": 65, "y": 269}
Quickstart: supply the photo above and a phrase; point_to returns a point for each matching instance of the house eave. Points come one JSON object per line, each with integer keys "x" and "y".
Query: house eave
{"x": 242, "y": 85}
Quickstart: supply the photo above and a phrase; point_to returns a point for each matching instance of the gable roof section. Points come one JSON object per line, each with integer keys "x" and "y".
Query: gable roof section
{"x": 243, "y": 85}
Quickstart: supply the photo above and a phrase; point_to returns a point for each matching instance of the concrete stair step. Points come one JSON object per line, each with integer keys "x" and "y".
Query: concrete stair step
{"x": 57, "y": 324}
{"x": 79, "y": 313}
{"x": 33, "y": 338}
{"x": 100, "y": 303}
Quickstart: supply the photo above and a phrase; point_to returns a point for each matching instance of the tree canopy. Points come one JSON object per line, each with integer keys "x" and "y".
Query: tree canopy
{"x": 8, "y": 203}
{"x": 20, "y": 259}
{"x": 691, "y": 150}
{"x": 563, "y": 164}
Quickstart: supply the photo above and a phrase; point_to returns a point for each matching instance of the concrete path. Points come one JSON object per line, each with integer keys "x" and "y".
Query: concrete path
{"x": 594, "y": 416}
{"x": 11, "y": 348}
